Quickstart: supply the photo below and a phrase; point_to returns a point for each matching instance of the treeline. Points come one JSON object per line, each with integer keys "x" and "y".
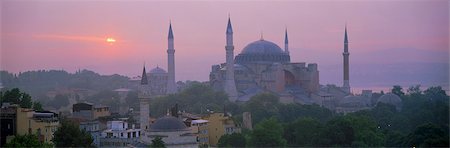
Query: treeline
{"x": 39, "y": 82}
{"x": 422, "y": 122}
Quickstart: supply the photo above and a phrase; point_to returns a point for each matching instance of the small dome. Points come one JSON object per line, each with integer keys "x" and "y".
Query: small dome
{"x": 157, "y": 70}
{"x": 168, "y": 124}
{"x": 390, "y": 98}
{"x": 262, "y": 47}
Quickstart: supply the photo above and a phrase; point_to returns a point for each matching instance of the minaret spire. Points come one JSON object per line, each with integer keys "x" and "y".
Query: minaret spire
{"x": 346, "y": 54}
{"x": 229, "y": 27}
{"x": 144, "y": 80}
{"x": 171, "y": 86}
{"x": 346, "y": 37}
{"x": 170, "y": 36}
{"x": 230, "y": 86}
{"x": 286, "y": 42}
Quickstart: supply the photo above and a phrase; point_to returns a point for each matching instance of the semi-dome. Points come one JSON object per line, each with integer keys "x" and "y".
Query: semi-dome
{"x": 262, "y": 47}
{"x": 262, "y": 51}
{"x": 392, "y": 99}
{"x": 168, "y": 124}
{"x": 157, "y": 70}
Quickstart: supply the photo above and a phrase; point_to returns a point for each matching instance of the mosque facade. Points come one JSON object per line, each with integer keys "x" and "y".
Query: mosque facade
{"x": 262, "y": 66}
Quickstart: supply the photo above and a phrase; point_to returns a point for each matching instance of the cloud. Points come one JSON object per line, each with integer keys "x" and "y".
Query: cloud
{"x": 70, "y": 37}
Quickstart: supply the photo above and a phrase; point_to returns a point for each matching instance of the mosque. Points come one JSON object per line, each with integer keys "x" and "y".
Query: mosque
{"x": 262, "y": 66}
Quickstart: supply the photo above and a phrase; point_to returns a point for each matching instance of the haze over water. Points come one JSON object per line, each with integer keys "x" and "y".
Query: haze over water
{"x": 391, "y": 42}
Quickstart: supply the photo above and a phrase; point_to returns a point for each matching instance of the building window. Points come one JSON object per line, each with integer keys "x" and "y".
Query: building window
{"x": 121, "y": 134}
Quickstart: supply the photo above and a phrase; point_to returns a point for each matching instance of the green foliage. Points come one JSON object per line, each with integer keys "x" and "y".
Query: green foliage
{"x": 262, "y": 106}
{"x": 267, "y": 133}
{"x": 69, "y": 135}
{"x": 352, "y": 130}
{"x": 27, "y": 141}
{"x": 15, "y": 96}
{"x": 195, "y": 99}
{"x": 157, "y": 142}
{"x": 232, "y": 140}
{"x": 414, "y": 90}
{"x": 436, "y": 93}
{"x": 60, "y": 100}
{"x": 37, "y": 106}
{"x": 291, "y": 112}
{"x": 419, "y": 108}
{"x": 398, "y": 90}
{"x": 428, "y": 135}
{"x": 37, "y": 83}
{"x": 303, "y": 132}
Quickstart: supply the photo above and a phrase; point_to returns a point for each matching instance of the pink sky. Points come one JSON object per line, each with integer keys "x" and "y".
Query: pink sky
{"x": 71, "y": 35}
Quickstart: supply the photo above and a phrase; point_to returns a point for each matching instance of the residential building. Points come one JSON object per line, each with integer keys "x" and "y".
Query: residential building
{"x": 220, "y": 124}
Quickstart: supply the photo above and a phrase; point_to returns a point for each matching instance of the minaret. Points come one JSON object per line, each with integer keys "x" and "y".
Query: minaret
{"x": 171, "y": 86}
{"x": 230, "y": 86}
{"x": 144, "y": 100}
{"x": 346, "y": 86}
{"x": 286, "y": 43}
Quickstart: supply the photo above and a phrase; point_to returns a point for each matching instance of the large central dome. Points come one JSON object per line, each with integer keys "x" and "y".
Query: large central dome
{"x": 262, "y": 51}
{"x": 262, "y": 47}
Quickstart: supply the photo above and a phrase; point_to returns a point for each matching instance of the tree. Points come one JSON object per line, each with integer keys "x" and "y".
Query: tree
{"x": 398, "y": 90}
{"x": 232, "y": 140}
{"x": 37, "y": 106}
{"x": 262, "y": 106}
{"x": 428, "y": 135}
{"x": 436, "y": 93}
{"x": 28, "y": 140}
{"x": 157, "y": 142}
{"x": 26, "y": 102}
{"x": 69, "y": 135}
{"x": 352, "y": 130}
{"x": 303, "y": 132}
{"x": 267, "y": 133}
{"x": 414, "y": 90}
{"x": 14, "y": 96}
{"x": 60, "y": 100}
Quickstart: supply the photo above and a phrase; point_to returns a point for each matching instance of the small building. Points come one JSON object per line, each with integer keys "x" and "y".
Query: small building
{"x": 88, "y": 111}
{"x": 220, "y": 124}
{"x": 200, "y": 128}
{"x": 20, "y": 121}
{"x": 93, "y": 128}
{"x": 118, "y": 134}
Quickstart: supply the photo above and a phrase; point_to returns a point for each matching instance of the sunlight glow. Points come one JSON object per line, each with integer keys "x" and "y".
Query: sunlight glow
{"x": 110, "y": 40}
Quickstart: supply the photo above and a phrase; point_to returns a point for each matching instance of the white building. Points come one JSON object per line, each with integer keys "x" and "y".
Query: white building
{"x": 118, "y": 133}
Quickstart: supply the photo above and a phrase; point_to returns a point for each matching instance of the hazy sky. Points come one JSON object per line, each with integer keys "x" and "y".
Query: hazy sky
{"x": 71, "y": 35}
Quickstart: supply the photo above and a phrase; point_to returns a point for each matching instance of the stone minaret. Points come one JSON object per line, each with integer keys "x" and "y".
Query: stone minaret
{"x": 286, "y": 43}
{"x": 230, "y": 86}
{"x": 346, "y": 86}
{"x": 144, "y": 99}
{"x": 171, "y": 86}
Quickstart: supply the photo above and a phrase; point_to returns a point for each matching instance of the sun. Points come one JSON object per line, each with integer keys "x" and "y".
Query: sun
{"x": 110, "y": 40}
